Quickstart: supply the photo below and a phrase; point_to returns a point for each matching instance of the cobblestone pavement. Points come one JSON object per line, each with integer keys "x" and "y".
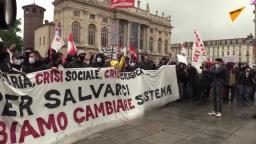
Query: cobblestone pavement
{"x": 184, "y": 123}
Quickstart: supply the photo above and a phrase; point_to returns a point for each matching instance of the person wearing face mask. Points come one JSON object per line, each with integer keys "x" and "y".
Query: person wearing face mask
{"x": 56, "y": 62}
{"x": 4, "y": 58}
{"x": 79, "y": 62}
{"x": 25, "y": 64}
{"x": 99, "y": 61}
{"x": 35, "y": 63}
{"x": 219, "y": 80}
{"x": 16, "y": 66}
{"x": 68, "y": 60}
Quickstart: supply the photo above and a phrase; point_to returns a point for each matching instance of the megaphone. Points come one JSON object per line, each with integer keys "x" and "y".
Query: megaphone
{"x": 8, "y": 12}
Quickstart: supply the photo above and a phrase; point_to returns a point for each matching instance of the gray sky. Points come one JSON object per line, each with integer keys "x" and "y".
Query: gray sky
{"x": 211, "y": 17}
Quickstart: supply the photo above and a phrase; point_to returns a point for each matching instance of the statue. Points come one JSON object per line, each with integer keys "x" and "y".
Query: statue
{"x": 147, "y": 7}
{"x": 138, "y": 3}
{"x": 162, "y": 14}
{"x": 156, "y": 12}
{"x": 169, "y": 17}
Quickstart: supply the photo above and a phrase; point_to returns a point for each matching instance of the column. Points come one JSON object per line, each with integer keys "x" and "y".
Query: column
{"x": 147, "y": 38}
{"x": 139, "y": 49}
{"x": 128, "y": 34}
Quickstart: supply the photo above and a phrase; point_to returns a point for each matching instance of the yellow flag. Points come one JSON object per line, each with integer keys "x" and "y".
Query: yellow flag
{"x": 234, "y": 14}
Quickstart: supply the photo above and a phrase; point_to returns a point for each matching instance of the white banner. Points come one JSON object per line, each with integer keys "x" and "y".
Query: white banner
{"x": 49, "y": 107}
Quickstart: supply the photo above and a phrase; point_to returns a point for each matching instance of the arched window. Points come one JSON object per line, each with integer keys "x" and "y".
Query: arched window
{"x": 159, "y": 45}
{"x": 104, "y": 37}
{"x": 151, "y": 44}
{"x": 59, "y": 28}
{"x": 92, "y": 34}
{"x": 76, "y": 32}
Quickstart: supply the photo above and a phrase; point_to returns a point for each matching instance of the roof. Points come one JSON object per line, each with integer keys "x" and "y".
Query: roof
{"x": 33, "y": 5}
{"x": 46, "y": 24}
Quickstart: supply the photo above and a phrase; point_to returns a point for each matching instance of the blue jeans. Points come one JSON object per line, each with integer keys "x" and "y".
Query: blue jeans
{"x": 216, "y": 92}
{"x": 244, "y": 93}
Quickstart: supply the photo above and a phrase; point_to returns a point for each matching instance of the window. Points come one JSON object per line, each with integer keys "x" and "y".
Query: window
{"x": 104, "y": 37}
{"x": 43, "y": 40}
{"x": 105, "y": 20}
{"x": 59, "y": 28}
{"x": 76, "y": 13}
{"x": 159, "y": 45}
{"x": 76, "y": 31}
{"x": 160, "y": 32}
{"x": 34, "y": 10}
{"x": 151, "y": 30}
{"x": 92, "y": 16}
{"x": 92, "y": 34}
{"x": 151, "y": 44}
{"x": 166, "y": 46}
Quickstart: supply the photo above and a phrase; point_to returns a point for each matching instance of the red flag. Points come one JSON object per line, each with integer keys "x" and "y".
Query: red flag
{"x": 71, "y": 45}
{"x": 133, "y": 53}
{"x": 121, "y": 3}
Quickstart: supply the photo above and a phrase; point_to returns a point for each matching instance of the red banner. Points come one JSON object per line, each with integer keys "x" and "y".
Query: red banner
{"x": 121, "y": 3}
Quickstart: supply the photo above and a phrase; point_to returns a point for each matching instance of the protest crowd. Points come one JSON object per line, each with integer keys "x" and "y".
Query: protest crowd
{"x": 226, "y": 83}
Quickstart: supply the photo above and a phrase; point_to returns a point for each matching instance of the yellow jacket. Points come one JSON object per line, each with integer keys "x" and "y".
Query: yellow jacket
{"x": 119, "y": 65}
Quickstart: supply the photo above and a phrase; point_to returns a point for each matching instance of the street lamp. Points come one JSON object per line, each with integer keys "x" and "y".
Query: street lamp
{"x": 250, "y": 42}
{"x": 8, "y": 12}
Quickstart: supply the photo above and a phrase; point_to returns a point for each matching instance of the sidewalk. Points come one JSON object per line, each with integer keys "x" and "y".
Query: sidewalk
{"x": 184, "y": 123}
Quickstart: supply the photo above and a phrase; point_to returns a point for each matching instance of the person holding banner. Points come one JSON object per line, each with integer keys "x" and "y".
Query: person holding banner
{"x": 120, "y": 62}
{"x": 35, "y": 63}
{"x": 99, "y": 61}
{"x": 79, "y": 62}
{"x": 219, "y": 75}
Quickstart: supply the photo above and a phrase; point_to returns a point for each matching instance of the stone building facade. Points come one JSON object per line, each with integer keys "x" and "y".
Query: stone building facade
{"x": 238, "y": 49}
{"x": 44, "y": 35}
{"x": 90, "y": 21}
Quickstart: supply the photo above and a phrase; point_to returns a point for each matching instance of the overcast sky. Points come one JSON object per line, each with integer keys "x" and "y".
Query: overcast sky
{"x": 211, "y": 17}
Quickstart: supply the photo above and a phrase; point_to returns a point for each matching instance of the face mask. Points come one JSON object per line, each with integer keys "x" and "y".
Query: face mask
{"x": 17, "y": 61}
{"x": 217, "y": 65}
{"x": 81, "y": 58}
{"x": 99, "y": 60}
{"x": 132, "y": 64}
{"x": 31, "y": 60}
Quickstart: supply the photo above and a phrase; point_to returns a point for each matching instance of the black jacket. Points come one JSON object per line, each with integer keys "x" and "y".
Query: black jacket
{"x": 37, "y": 66}
{"x": 5, "y": 65}
{"x": 218, "y": 76}
{"x": 77, "y": 64}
